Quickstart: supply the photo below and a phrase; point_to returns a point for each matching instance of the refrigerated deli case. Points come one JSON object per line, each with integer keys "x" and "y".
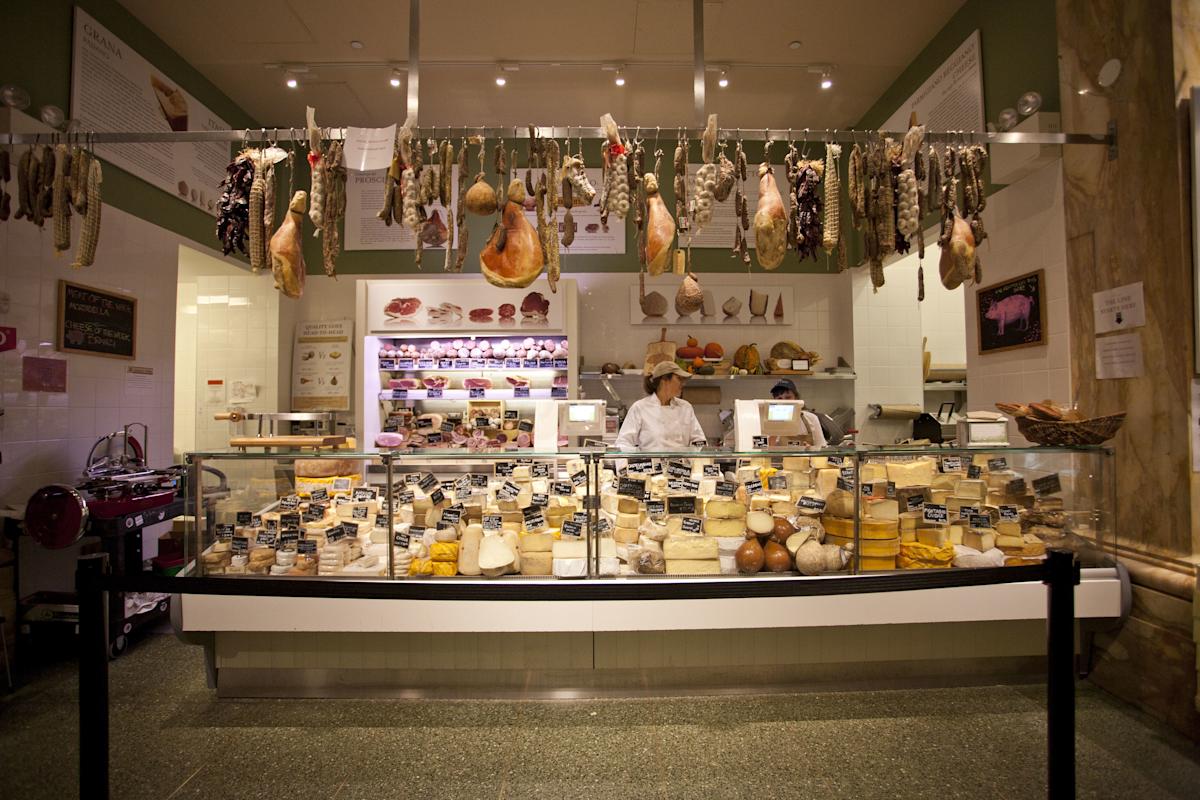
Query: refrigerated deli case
{"x": 704, "y": 545}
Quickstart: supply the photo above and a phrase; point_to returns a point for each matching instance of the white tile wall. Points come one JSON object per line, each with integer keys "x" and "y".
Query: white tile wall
{"x": 1025, "y": 224}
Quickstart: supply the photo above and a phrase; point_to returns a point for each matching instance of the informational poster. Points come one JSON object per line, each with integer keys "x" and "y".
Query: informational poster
{"x": 951, "y": 99}
{"x": 321, "y": 359}
{"x": 452, "y": 306}
{"x": 1119, "y": 357}
{"x": 592, "y": 237}
{"x": 115, "y": 89}
{"x": 1120, "y": 308}
{"x": 365, "y": 231}
{"x": 139, "y": 381}
{"x": 719, "y": 230}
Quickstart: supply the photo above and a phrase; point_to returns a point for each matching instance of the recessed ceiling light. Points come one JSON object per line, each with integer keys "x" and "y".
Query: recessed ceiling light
{"x": 723, "y": 81}
{"x": 289, "y": 78}
{"x": 394, "y": 80}
{"x": 795, "y": 44}
{"x": 501, "y": 80}
{"x": 620, "y": 79}
{"x": 826, "y": 80}
{"x": 356, "y": 44}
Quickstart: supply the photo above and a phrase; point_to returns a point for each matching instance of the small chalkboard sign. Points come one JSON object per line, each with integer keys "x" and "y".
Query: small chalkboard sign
{"x": 95, "y": 322}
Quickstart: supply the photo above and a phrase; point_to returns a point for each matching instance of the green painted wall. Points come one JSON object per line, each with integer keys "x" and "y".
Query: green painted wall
{"x": 37, "y": 56}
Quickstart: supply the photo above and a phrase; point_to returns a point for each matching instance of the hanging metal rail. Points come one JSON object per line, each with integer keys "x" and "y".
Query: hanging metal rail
{"x": 813, "y": 135}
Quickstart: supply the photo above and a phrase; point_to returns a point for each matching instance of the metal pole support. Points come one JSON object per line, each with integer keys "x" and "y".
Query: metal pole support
{"x": 93, "y": 676}
{"x": 1062, "y": 576}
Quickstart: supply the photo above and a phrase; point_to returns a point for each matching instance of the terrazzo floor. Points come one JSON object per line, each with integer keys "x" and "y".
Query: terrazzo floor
{"x": 172, "y": 738}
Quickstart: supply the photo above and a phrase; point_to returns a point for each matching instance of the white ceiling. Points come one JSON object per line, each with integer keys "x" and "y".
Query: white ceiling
{"x": 869, "y": 41}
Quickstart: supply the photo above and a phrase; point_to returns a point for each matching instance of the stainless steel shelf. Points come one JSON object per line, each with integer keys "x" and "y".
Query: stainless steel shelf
{"x": 946, "y": 386}
{"x": 816, "y": 376}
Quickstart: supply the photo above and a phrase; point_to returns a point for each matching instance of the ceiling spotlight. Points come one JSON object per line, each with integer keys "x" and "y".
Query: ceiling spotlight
{"x": 826, "y": 80}
{"x": 289, "y": 78}
{"x": 355, "y": 44}
{"x": 620, "y": 79}
{"x": 723, "y": 81}
{"x": 501, "y": 80}
{"x": 795, "y": 44}
{"x": 395, "y": 79}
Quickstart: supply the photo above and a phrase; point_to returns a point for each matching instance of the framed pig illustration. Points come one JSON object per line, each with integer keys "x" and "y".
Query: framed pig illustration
{"x": 1012, "y": 314}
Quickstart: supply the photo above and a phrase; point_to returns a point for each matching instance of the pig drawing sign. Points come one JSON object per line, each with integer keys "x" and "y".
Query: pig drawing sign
{"x": 1012, "y": 314}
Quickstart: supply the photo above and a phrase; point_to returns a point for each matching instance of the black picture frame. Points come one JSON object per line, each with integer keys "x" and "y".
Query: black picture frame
{"x": 1012, "y": 314}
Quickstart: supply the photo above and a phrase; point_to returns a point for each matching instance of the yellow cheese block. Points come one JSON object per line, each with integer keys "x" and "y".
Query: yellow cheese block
{"x": 783, "y": 508}
{"x": 909, "y": 535}
{"x": 724, "y": 527}
{"x": 1008, "y": 528}
{"x": 934, "y": 537}
{"x": 627, "y": 505}
{"x": 840, "y": 503}
{"x": 972, "y": 487}
{"x": 884, "y": 510}
{"x": 521, "y": 473}
{"x": 443, "y": 551}
{"x": 870, "y": 529}
{"x": 827, "y": 480}
{"x": 623, "y": 535}
{"x": 877, "y": 564}
{"x": 956, "y": 534}
{"x": 570, "y": 548}
{"x": 536, "y": 563}
{"x": 690, "y": 548}
{"x": 799, "y": 479}
{"x": 444, "y": 569}
{"x": 911, "y": 520}
{"x": 918, "y": 555}
{"x": 693, "y": 567}
{"x": 938, "y": 496}
{"x": 819, "y": 462}
{"x": 945, "y": 480}
{"x": 979, "y": 538}
{"x": 628, "y": 520}
{"x": 760, "y": 502}
{"x": 536, "y": 543}
{"x": 919, "y": 472}
{"x": 873, "y": 471}
{"x": 869, "y": 547}
{"x": 725, "y": 509}
{"x": 420, "y": 566}
{"x": 838, "y": 526}
{"x": 796, "y": 463}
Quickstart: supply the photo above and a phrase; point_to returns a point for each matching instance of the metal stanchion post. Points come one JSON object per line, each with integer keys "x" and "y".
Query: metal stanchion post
{"x": 1062, "y": 576}
{"x": 93, "y": 677}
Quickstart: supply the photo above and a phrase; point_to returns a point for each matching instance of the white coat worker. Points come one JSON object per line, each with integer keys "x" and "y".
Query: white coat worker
{"x": 661, "y": 421}
{"x": 814, "y": 436}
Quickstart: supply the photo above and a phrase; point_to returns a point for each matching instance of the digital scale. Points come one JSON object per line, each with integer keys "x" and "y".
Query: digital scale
{"x": 782, "y": 423}
{"x": 563, "y": 423}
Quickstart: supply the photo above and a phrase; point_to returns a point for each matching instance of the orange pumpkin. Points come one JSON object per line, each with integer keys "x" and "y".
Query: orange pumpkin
{"x": 697, "y": 362}
{"x": 713, "y": 350}
{"x": 692, "y": 341}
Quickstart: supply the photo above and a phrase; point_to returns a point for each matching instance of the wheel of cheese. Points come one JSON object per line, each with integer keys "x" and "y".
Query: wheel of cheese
{"x": 327, "y": 467}
{"x": 873, "y": 564}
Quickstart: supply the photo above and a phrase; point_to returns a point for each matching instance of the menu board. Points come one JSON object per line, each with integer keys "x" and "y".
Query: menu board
{"x": 366, "y": 231}
{"x": 96, "y": 322}
{"x": 115, "y": 89}
{"x": 321, "y": 359}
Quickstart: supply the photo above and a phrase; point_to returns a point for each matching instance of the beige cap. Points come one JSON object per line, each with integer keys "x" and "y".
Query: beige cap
{"x": 668, "y": 368}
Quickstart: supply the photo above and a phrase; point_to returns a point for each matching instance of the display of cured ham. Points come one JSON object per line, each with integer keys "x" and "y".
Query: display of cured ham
{"x": 404, "y": 383}
{"x": 480, "y": 315}
{"x": 436, "y": 382}
{"x": 560, "y": 381}
{"x": 770, "y": 221}
{"x": 518, "y": 380}
{"x": 477, "y": 383}
{"x": 287, "y": 254}
{"x": 402, "y": 307}
{"x": 660, "y": 228}
{"x": 535, "y": 305}
{"x": 512, "y": 257}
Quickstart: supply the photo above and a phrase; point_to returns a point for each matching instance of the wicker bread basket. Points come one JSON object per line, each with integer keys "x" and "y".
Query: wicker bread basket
{"x": 1070, "y": 434}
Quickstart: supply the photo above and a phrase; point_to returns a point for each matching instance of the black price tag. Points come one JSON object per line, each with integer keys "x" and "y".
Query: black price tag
{"x": 980, "y": 521}
{"x": 656, "y": 508}
{"x": 437, "y": 496}
{"x": 256, "y": 521}
{"x": 318, "y": 508}
{"x": 504, "y": 469}
{"x": 273, "y": 524}
{"x": 477, "y": 363}
{"x": 508, "y": 491}
{"x": 433, "y": 394}
{"x": 241, "y": 544}
{"x": 811, "y": 503}
{"x": 289, "y": 503}
{"x": 691, "y": 525}
{"x": 387, "y": 363}
{"x": 318, "y": 495}
{"x": 562, "y": 488}
{"x": 759, "y": 442}
{"x": 891, "y": 489}
{"x": 965, "y": 512}
{"x": 520, "y": 392}
{"x": 560, "y": 363}
{"x": 997, "y": 464}
{"x": 545, "y": 363}
{"x": 492, "y": 522}
{"x": 777, "y": 482}
{"x": 447, "y": 427}
{"x": 847, "y": 473}
{"x": 681, "y": 505}
{"x": 483, "y": 422}
{"x": 535, "y": 522}
{"x": 914, "y": 502}
{"x": 289, "y": 520}
{"x": 936, "y": 513}
{"x": 1049, "y": 484}
{"x": 868, "y": 490}
{"x": 462, "y": 363}
{"x": 417, "y": 532}
{"x": 424, "y": 422}
{"x": 603, "y": 526}
{"x": 571, "y": 528}
{"x": 479, "y": 481}
{"x": 754, "y": 487}
{"x": 288, "y": 537}
{"x": 579, "y": 478}
{"x": 1010, "y": 513}
{"x": 363, "y": 493}
{"x": 426, "y": 363}
{"x": 265, "y": 539}
{"x": 974, "y": 472}
{"x": 399, "y": 394}
{"x": 401, "y": 540}
{"x": 952, "y": 464}
{"x": 540, "y": 470}
{"x": 404, "y": 363}
{"x": 558, "y": 392}
{"x": 445, "y": 363}
{"x": 845, "y": 485}
{"x": 835, "y": 461}
{"x": 307, "y": 547}
{"x": 404, "y": 498}
{"x": 1016, "y": 487}
{"x": 476, "y": 393}
{"x": 381, "y": 520}
{"x": 244, "y": 517}
{"x": 539, "y": 500}
{"x": 712, "y": 471}
{"x": 512, "y": 363}
{"x": 726, "y": 488}
{"x": 312, "y": 516}
{"x": 640, "y": 465}
{"x": 631, "y": 487}
{"x": 412, "y": 477}
{"x": 510, "y": 415}
{"x": 428, "y": 481}
{"x": 434, "y": 438}
{"x": 530, "y": 363}
{"x": 452, "y": 516}
{"x": 360, "y": 512}
{"x": 678, "y": 469}
{"x": 335, "y": 534}
{"x": 463, "y": 483}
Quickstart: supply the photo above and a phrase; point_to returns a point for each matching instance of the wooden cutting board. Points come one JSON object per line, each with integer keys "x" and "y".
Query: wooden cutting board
{"x": 661, "y": 347}
{"x": 287, "y": 441}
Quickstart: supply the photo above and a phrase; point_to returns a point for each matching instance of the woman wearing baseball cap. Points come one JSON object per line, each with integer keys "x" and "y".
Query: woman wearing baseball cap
{"x": 661, "y": 420}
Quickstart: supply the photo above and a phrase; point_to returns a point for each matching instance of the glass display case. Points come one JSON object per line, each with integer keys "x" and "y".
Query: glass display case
{"x": 588, "y": 513}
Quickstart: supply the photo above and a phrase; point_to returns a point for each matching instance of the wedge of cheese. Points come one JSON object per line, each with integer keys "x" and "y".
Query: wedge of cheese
{"x": 827, "y": 480}
{"x": 724, "y": 527}
{"x": 541, "y": 542}
{"x": 797, "y": 463}
{"x": 884, "y": 509}
{"x": 972, "y": 487}
{"x": 873, "y": 564}
{"x": 919, "y": 472}
{"x": 725, "y": 509}
{"x": 934, "y": 536}
{"x": 691, "y": 567}
{"x": 537, "y": 563}
{"x": 569, "y": 549}
{"x": 625, "y": 535}
{"x": 980, "y": 539}
{"x": 690, "y": 548}
{"x": 873, "y": 471}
